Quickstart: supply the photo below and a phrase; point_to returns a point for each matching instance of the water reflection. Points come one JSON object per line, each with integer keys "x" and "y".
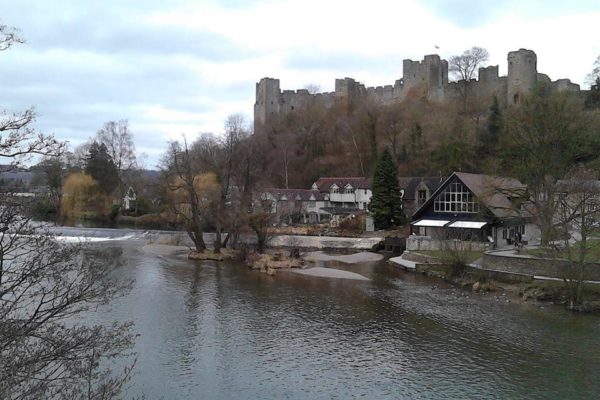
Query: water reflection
{"x": 222, "y": 331}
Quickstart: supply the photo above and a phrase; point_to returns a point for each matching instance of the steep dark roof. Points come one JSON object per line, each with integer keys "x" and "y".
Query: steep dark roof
{"x": 291, "y": 194}
{"x": 409, "y": 184}
{"x": 493, "y": 192}
{"x": 357, "y": 182}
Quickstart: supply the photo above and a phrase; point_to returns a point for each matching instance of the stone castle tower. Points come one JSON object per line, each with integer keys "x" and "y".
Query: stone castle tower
{"x": 428, "y": 78}
{"x": 522, "y": 75}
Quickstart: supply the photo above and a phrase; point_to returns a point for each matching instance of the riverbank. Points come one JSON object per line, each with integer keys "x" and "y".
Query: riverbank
{"x": 512, "y": 285}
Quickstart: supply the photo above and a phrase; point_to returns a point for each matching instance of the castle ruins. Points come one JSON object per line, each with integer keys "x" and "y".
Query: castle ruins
{"x": 428, "y": 78}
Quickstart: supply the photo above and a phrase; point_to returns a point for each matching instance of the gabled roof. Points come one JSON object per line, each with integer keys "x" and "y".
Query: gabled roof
{"x": 294, "y": 194}
{"x": 409, "y": 184}
{"x": 357, "y": 182}
{"x": 493, "y": 192}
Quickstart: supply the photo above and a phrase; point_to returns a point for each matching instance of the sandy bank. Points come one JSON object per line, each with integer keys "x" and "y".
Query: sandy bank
{"x": 330, "y": 273}
{"x": 356, "y": 258}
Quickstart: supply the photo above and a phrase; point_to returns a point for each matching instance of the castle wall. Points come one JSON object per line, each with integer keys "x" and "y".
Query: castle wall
{"x": 425, "y": 78}
{"x": 522, "y": 75}
{"x": 267, "y": 101}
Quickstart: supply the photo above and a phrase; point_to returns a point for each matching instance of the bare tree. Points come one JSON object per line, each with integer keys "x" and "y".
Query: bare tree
{"x": 19, "y": 141}
{"x": 182, "y": 172}
{"x": 45, "y": 285}
{"x": 464, "y": 68}
{"x": 78, "y": 158}
{"x": 224, "y": 158}
{"x": 541, "y": 141}
{"x": 118, "y": 139}
{"x": 591, "y": 78}
{"x": 54, "y": 171}
{"x": 313, "y": 88}
{"x": 577, "y": 218}
{"x": 8, "y": 37}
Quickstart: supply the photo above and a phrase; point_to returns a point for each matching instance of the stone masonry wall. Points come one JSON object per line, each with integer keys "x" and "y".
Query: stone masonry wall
{"x": 417, "y": 243}
{"x": 534, "y": 266}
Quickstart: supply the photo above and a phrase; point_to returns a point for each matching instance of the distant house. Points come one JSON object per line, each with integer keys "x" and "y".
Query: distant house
{"x": 307, "y": 204}
{"x": 475, "y": 207}
{"x": 416, "y": 191}
{"x": 349, "y": 193}
{"x": 129, "y": 200}
{"x": 328, "y": 199}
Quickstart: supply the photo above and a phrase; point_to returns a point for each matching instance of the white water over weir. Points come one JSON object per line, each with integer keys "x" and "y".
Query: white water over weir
{"x": 78, "y": 234}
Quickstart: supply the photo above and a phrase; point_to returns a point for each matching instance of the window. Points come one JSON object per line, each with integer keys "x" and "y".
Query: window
{"x": 348, "y": 189}
{"x": 312, "y": 204}
{"x": 456, "y": 198}
{"x": 421, "y": 196}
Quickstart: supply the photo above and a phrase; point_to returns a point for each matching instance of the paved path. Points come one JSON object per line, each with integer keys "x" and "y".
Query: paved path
{"x": 402, "y": 263}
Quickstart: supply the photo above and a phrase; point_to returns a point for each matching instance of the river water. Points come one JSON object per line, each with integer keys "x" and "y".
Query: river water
{"x": 221, "y": 331}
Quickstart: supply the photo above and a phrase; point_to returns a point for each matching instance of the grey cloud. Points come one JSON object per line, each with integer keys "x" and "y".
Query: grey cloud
{"x": 343, "y": 62}
{"x": 113, "y": 27}
{"x": 469, "y": 13}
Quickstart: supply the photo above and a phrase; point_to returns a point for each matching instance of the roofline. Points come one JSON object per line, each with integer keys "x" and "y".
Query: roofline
{"x": 434, "y": 194}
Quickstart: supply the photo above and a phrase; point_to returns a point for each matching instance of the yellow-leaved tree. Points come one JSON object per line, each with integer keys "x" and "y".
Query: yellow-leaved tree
{"x": 82, "y": 198}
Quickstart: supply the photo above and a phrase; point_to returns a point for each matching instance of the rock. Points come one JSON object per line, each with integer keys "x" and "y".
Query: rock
{"x": 484, "y": 287}
{"x": 270, "y": 271}
{"x": 205, "y": 255}
{"x": 295, "y": 252}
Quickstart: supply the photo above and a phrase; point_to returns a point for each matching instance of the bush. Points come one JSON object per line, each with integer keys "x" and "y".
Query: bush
{"x": 353, "y": 224}
{"x": 114, "y": 212}
{"x": 44, "y": 209}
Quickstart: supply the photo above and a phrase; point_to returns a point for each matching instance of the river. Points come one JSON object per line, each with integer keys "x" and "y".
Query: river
{"x": 221, "y": 331}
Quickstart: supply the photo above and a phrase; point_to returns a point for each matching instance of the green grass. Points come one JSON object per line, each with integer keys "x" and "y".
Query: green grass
{"x": 469, "y": 256}
{"x": 592, "y": 249}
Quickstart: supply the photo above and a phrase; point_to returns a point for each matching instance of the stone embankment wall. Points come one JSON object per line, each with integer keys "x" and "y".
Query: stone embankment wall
{"x": 417, "y": 243}
{"x": 526, "y": 265}
{"x": 302, "y": 242}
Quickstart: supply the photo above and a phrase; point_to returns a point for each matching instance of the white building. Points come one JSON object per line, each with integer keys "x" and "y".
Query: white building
{"x": 329, "y": 198}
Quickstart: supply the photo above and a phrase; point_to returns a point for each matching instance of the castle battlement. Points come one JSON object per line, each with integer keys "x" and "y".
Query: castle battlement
{"x": 426, "y": 78}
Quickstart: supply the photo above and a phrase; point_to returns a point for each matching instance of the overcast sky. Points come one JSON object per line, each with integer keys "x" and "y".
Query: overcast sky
{"x": 182, "y": 66}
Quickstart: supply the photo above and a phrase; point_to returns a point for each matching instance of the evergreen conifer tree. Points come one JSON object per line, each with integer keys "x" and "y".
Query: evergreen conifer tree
{"x": 102, "y": 168}
{"x": 386, "y": 203}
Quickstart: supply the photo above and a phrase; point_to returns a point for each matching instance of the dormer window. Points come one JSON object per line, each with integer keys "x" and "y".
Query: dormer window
{"x": 348, "y": 189}
{"x": 334, "y": 188}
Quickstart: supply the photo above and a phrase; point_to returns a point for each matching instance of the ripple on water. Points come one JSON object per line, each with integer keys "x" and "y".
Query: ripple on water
{"x": 225, "y": 332}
